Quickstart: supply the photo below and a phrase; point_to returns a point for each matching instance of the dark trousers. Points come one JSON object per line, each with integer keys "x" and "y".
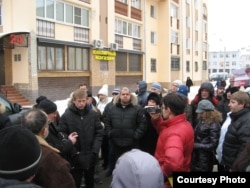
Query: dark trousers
{"x": 118, "y": 151}
{"x": 105, "y": 151}
{"x": 88, "y": 176}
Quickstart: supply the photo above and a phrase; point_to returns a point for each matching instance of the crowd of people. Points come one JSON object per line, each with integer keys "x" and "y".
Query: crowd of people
{"x": 143, "y": 137}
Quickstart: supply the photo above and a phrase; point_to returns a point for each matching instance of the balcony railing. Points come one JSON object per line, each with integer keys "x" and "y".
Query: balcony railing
{"x": 45, "y": 28}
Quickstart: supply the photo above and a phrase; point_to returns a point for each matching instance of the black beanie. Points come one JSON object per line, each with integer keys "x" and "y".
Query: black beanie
{"x": 155, "y": 97}
{"x": 20, "y": 153}
{"x": 40, "y": 98}
{"x": 47, "y": 106}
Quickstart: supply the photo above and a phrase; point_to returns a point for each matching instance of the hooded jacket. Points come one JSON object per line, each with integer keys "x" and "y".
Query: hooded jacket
{"x": 137, "y": 169}
{"x": 198, "y": 98}
{"x": 142, "y": 93}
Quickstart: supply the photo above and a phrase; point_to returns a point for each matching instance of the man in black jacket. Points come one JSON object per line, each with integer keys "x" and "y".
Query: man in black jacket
{"x": 86, "y": 122}
{"x": 125, "y": 124}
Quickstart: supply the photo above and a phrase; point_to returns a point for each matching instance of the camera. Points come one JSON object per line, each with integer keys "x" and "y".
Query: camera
{"x": 153, "y": 109}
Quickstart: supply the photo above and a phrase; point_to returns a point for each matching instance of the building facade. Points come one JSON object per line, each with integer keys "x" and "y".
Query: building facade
{"x": 51, "y": 46}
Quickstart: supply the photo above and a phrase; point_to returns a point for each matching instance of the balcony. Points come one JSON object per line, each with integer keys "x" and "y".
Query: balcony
{"x": 121, "y": 8}
{"x": 136, "y": 13}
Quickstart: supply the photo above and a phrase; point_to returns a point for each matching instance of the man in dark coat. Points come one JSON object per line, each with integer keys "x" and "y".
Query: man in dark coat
{"x": 125, "y": 124}
{"x": 79, "y": 118}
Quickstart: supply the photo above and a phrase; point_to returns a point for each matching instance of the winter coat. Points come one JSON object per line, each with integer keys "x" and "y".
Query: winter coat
{"x": 149, "y": 139}
{"x": 205, "y": 144}
{"x": 142, "y": 93}
{"x": 56, "y": 139}
{"x": 90, "y": 133}
{"x": 223, "y": 108}
{"x": 125, "y": 125}
{"x": 238, "y": 133}
{"x": 175, "y": 145}
{"x": 54, "y": 171}
{"x": 137, "y": 169}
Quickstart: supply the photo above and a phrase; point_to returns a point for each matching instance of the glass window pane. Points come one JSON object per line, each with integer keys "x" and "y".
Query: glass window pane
{"x": 41, "y": 58}
{"x": 124, "y": 28}
{"x": 121, "y": 61}
{"x": 85, "y": 54}
{"x": 85, "y": 17}
{"x": 77, "y": 16}
{"x": 69, "y": 14}
{"x": 71, "y": 60}
{"x": 59, "y": 59}
{"x": 59, "y": 11}
{"x": 50, "y": 9}
{"x": 134, "y": 62}
{"x": 40, "y": 8}
{"x": 50, "y": 58}
{"x": 78, "y": 59}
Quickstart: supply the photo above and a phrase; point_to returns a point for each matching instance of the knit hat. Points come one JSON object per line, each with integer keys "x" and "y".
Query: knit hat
{"x": 182, "y": 91}
{"x": 155, "y": 97}
{"x": 204, "y": 105}
{"x": 40, "y": 98}
{"x": 156, "y": 85}
{"x": 116, "y": 91}
{"x": 177, "y": 82}
{"x": 104, "y": 90}
{"x": 47, "y": 106}
{"x": 20, "y": 153}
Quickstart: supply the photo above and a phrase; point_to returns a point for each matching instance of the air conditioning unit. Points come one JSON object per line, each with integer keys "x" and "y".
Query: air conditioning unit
{"x": 113, "y": 46}
{"x": 98, "y": 44}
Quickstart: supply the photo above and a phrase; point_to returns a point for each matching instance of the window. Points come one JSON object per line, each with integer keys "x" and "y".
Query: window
{"x": 174, "y": 11}
{"x": 136, "y": 4}
{"x": 127, "y": 28}
{"x": 0, "y": 14}
{"x": 196, "y": 66}
{"x": 123, "y": 1}
{"x": 153, "y": 37}
{"x": 188, "y": 21}
{"x": 152, "y": 11}
{"x": 204, "y": 65}
{"x": 78, "y": 59}
{"x": 59, "y": 11}
{"x": 50, "y": 58}
{"x": 104, "y": 65}
{"x": 63, "y": 12}
{"x": 128, "y": 62}
{"x": 175, "y": 63}
{"x": 174, "y": 37}
{"x": 188, "y": 41}
{"x": 187, "y": 66}
{"x": 153, "y": 65}
{"x": 50, "y": 9}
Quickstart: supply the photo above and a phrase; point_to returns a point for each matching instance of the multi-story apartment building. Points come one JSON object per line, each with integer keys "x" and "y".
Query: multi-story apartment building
{"x": 224, "y": 61}
{"x": 49, "y": 47}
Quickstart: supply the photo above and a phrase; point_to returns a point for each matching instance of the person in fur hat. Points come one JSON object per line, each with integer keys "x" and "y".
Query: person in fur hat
{"x": 206, "y": 91}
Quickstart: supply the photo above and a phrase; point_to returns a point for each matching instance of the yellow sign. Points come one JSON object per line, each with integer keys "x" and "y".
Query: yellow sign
{"x": 104, "y": 55}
